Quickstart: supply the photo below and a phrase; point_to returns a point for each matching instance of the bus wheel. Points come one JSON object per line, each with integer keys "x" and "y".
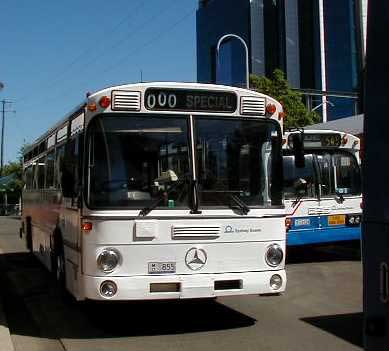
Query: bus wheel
{"x": 60, "y": 267}
{"x": 58, "y": 263}
{"x": 28, "y": 234}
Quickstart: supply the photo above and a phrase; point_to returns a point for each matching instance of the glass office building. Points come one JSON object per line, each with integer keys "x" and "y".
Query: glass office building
{"x": 319, "y": 44}
{"x": 214, "y": 19}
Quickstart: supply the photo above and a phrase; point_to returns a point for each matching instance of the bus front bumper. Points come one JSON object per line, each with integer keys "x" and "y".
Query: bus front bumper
{"x": 185, "y": 286}
{"x": 322, "y": 235}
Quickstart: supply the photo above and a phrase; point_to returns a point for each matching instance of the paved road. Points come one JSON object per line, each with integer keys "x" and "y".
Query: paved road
{"x": 321, "y": 310}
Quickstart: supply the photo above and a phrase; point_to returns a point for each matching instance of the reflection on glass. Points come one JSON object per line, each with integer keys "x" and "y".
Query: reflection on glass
{"x": 347, "y": 175}
{"x": 299, "y": 182}
{"x": 339, "y": 173}
{"x": 234, "y": 158}
{"x": 135, "y": 160}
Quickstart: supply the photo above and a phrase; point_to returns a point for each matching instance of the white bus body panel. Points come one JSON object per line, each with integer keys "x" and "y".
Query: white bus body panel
{"x": 236, "y": 253}
{"x": 326, "y": 206}
{"x": 191, "y": 286}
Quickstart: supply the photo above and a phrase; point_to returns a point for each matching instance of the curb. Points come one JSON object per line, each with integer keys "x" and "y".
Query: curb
{"x": 5, "y": 337}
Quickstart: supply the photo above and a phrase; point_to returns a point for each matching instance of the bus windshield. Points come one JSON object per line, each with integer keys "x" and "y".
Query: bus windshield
{"x": 299, "y": 182}
{"x": 234, "y": 159}
{"x": 133, "y": 160}
{"x": 346, "y": 173}
{"x": 339, "y": 173}
{"x": 136, "y": 160}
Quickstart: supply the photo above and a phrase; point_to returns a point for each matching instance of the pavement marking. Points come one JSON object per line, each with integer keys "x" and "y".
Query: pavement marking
{"x": 5, "y": 339}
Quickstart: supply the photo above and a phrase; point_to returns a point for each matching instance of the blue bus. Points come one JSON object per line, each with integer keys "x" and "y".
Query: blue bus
{"x": 323, "y": 198}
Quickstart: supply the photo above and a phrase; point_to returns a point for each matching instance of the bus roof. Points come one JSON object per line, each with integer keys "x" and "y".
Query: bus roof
{"x": 324, "y": 139}
{"x": 141, "y": 88}
{"x": 179, "y": 85}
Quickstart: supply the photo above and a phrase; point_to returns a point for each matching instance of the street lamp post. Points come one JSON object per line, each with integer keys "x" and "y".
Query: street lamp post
{"x": 2, "y": 138}
{"x": 247, "y": 54}
{"x": 323, "y": 60}
{"x": 3, "y": 112}
{"x": 2, "y": 132}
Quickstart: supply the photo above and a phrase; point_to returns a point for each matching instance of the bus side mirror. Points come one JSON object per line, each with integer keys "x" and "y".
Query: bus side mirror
{"x": 298, "y": 150}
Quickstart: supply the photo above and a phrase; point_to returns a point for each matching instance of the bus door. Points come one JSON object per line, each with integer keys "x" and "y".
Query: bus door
{"x": 69, "y": 174}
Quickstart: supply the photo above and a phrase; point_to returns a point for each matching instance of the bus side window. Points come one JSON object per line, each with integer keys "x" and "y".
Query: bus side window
{"x": 34, "y": 175}
{"x": 58, "y": 163}
{"x": 50, "y": 170}
{"x": 29, "y": 176}
{"x": 40, "y": 176}
{"x": 70, "y": 171}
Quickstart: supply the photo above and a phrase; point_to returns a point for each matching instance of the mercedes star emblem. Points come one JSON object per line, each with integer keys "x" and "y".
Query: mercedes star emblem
{"x": 195, "y": 258}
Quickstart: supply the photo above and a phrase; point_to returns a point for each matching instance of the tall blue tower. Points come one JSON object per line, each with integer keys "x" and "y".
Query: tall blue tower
{"x": 319, "y": 44}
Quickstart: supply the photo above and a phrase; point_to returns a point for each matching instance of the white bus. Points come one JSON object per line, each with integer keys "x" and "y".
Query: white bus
{"x": 323, "y": 198}
{"x": 160, "y": 191}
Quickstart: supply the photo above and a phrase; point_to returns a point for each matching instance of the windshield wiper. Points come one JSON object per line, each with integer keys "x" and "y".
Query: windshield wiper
{"x": 297, "y": 200}
{"x": 242, "y": 206}
{"x": 146, "y": 210}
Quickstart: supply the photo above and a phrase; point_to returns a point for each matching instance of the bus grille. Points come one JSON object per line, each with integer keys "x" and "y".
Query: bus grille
{"x": 199, "y": 232}
{"x": 252, "y": 106}
{"x": 317, "y": 211}
{"x": 125, "y": 100}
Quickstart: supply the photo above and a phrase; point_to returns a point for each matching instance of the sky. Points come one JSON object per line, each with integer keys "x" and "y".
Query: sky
{"x": 54, "y": 52}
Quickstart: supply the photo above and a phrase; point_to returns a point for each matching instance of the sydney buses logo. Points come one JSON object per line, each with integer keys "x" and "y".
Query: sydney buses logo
{"x": 229, "y": 229}
{"x": 195, "y": 258}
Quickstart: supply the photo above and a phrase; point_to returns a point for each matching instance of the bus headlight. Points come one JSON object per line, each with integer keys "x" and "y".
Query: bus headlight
{"x": 108, "y": 260}
{"x": 275, "y": 282}
{"x": 108, "y": 288}
{"x": 274, "y": 255}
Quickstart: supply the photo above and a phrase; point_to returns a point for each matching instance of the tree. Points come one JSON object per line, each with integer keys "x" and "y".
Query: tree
{"x": 11, "y": 179}
{"x": 21, "y": 152}
{"x": 13, "y": 167}
{"x": 296, "y": 114}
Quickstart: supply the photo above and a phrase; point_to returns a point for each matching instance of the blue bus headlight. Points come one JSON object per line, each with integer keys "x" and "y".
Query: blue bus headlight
{"x": 108, "y": 259}
{"x": 274, "y": 255}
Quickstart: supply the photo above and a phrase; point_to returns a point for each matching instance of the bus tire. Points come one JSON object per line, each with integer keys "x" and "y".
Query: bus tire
{"x": 58, "y": 262}
{"x": 28, "y": 234}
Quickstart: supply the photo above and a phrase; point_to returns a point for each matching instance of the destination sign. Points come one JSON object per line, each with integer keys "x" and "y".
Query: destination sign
{"x": 331, "y": 140}
{"x": 319, "y": 140}
{"x": 190, "y": 100}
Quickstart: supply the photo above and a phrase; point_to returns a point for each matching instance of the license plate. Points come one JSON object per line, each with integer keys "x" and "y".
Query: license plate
{"x": 336, "y": 220}
{"x": 302, "y": 221}
{"x": 162, "y": 267}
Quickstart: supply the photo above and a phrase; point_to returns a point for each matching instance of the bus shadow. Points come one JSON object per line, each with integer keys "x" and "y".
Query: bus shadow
{"x": 348, "y": 327}
{"x": 165, "y": 317}
{"x": 341, "y": 251}
{"x": 34, "y": 306}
